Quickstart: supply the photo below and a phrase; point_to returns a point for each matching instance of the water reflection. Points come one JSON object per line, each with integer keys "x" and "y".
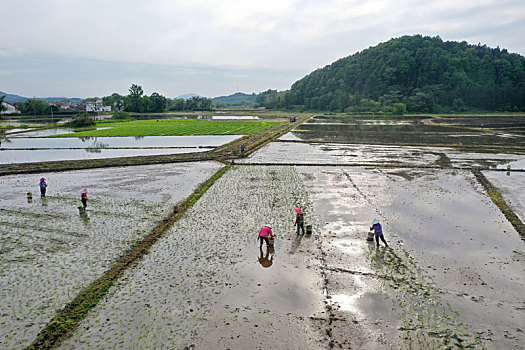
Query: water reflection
{"x": 97, "y": 147}
{"x": 266, "y": 260}
{"x": 296, "y": 243}
{"x": 84, "y": 216}
{"x": 24, "y": 150}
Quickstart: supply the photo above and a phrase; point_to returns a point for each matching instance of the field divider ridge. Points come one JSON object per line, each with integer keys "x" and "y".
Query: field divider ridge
{"x": 497, "y": 199}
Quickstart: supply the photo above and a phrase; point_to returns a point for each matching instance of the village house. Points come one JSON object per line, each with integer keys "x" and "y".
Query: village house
{"x": 8, "y": 108}
{"x": 95, "y": 104}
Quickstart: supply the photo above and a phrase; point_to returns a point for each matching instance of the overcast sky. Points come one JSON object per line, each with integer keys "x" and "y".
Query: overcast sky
{"x": 86, "y": 48}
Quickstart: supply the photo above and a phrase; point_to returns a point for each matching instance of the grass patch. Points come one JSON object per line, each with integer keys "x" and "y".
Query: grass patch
{"x": 497, "y": 199}
{"x": 72, "y": 314}
{"x": 174, "y": 127}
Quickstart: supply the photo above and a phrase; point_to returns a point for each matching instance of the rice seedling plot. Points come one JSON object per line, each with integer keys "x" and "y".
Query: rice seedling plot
{"x": 176, "y": 127}
{"x": 380, "y": 155}
{"x": 418, "y": 130}
{"x": 451, "y": 277}
{"x": 511, "y": 187}
{"x": 49, "y": 252}
{"x": 201, "y": 286}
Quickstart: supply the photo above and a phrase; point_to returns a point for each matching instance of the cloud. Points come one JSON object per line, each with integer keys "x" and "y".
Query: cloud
{"x": 280, "y": 35}
{"x": 77, "y": 77}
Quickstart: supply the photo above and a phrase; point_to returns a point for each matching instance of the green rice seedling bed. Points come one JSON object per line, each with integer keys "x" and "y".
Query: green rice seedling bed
{"x": 175, "y": 127}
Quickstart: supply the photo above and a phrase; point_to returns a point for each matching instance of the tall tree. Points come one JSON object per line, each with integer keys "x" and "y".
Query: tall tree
{"x": 157, "y": 103}
{"x": 133, "y": 102}
{"x": 33, "y": 106}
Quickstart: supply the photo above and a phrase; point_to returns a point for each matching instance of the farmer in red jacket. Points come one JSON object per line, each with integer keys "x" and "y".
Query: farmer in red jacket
{"x": 299, "y": 220}
{"x": 265, "y": 232}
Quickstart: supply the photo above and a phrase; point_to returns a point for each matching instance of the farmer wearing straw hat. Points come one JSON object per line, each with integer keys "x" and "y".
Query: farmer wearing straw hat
{"x": 43, "y": 187}
{"x": 84, "y": 198}
{"x": 378, "y": 230}
{"x": 264, "y": 233}
{"x": 299, "y": 220}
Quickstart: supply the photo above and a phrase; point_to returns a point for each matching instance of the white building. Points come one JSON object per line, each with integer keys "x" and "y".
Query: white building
{"x": 10, "y": 109}
{"x": 96, "y": 105}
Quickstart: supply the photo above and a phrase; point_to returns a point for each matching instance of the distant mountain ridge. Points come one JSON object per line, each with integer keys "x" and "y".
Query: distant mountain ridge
{"x": 237, "y": 98}
{"x": 187, "y": 96}
{"x": 17, "y": 98}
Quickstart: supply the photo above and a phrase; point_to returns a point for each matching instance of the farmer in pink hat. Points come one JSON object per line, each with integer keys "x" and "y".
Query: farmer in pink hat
{"x": 299, "y": 220}
{"x": 264, "y": 233}
{"x": 43, "y": 187}
{"x": 84, "y": 198}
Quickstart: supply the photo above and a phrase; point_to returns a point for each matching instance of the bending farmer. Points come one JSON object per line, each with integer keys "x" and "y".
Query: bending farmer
{"x": 378, "y": 230}
{"x": 84, "y": 198}
{"x": 264, "y": 233}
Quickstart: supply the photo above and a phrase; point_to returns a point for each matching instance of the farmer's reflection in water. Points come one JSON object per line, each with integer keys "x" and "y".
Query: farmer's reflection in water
{"x": 263, "y": 259}
{"x": 84, "y": 216}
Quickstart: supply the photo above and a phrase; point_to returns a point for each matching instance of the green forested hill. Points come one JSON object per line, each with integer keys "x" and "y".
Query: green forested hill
{"x": 426, "y": 74}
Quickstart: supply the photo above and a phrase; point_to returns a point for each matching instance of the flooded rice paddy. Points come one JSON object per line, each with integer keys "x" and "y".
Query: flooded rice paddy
{"x": 382, "y": 155}
{"x": 506, "y": 131}
{"x": 205, "y": 283}
{"x": 451, "y": 278}
{"x": 49, "y": 252}
{"x": 36, "y": 149}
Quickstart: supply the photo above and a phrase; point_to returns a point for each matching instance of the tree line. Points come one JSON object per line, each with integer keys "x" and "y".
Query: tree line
{"x": 137, "y": 102}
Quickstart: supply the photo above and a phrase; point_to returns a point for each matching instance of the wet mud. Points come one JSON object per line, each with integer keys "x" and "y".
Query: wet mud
{"x": 451, "y": 278}
{"x": 381, "y": 155}
{"x": 49, "y": 252}
{"x": 452, "y": 274}
{"x": 205, "y": 284}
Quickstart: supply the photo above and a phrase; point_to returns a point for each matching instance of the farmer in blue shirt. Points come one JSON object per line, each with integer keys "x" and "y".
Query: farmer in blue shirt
{"x": 43, "y": 187}
{"x": 378, "y": 230}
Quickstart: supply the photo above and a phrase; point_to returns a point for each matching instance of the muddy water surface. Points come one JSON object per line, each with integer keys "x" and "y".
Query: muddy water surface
{"x": 49, "y": 252}
{"x": 453, "y": 274}
{"x": 206, "y": 285}
{"x": 344, "y": 154}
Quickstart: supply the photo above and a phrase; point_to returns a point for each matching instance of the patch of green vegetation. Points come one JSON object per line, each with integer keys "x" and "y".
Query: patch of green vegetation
{"x": 429, "y": 321}
{"x": 81, "y": 120}
{"x": 121, "y": 116}
{"x": 175, "y": 127}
